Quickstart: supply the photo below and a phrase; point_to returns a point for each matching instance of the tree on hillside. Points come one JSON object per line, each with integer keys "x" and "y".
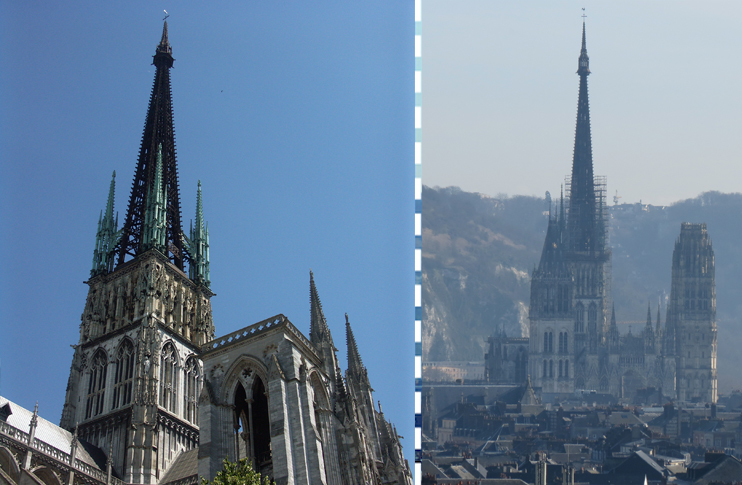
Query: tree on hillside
{"x": 240, "y": 473}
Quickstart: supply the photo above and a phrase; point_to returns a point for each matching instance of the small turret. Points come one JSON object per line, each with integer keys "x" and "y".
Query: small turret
{"x": 319, "y": 332}
{"x": 613, "y": 335}
{"x": 649, "y": 337}
{"x": 355, "y": 364}
{"x": 320, "y": 336}
{"x": 198, "y": 246}
{"x": 107, "y": 236}
{"x": 155, "y": 215}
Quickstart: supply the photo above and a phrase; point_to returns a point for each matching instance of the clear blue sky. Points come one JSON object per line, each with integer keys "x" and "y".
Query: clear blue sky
{"x": 500, "y": 95}
{"x": 297, "y": 117}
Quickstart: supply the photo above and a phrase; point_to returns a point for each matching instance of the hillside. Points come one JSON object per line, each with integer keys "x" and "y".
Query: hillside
{"x": 478, "y": 253}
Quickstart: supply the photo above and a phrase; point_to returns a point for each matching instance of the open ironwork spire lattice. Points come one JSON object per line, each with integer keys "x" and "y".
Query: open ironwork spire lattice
{"x": 158, "y": 131}
{"x": 584, "y": 220}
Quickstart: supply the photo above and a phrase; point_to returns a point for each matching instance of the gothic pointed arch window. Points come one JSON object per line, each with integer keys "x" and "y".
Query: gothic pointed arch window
{"x": 592, "y": 317}
{"x": 545, "y": 373}
{"x": 168, "y": 377}
{"x": 563, "y": 305}
{"x": 261, "y": 421}
{"x": 563, "y": 347}
{"x": 192, "y": 384}
{"x": 322, "y": 416}
{"x": 579, "y": 318}
{"x": 521, "y": 365}
{"x": 566, "y": 368}
{"x": 96, "y": 384}
{"x": 124, "y": 374}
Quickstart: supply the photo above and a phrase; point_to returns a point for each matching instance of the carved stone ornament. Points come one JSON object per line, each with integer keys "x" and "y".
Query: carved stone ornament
{"x": 269, "y": 350}
{"x": 217, "y": 371}
{"x": 247, "y": 372}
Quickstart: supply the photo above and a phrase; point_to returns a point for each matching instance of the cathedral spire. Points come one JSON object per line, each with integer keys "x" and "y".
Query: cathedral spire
{"x": 198, "y": 246}
{"x": 561, "y": 208}
{"x": 158, "y": 131}
{"x": 659, "y": 327}
{"x": 649, "y": 317}
{"x": 355, "y": 365}
{"x": 154, "y": 214}
{"x": 584, "y": 227}
{"x": 164, "y": 42}
{"x": 318, "y": 329}
{"x": 584, "y": 61}
{"x": 613, "y": 316}
{"x": 107, "y": 236}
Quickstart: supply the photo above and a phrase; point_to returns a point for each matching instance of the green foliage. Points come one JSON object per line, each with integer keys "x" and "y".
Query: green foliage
{"x": 240, "y": 473}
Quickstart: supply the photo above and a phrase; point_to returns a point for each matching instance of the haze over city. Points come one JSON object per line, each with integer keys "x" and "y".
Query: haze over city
{"x": 500, "y": 96}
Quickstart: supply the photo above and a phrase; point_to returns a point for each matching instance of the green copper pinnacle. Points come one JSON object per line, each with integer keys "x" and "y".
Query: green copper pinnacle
{"x": 155, "y": 215}
{"x": 198, "y": 245}
{"x": 107, "y": 236}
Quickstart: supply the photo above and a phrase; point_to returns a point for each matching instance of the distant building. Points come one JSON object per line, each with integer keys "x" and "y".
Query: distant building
{"x": 574, "y": 341}
{"x": 453, "y": 371}
{"x": 507, "y": 360}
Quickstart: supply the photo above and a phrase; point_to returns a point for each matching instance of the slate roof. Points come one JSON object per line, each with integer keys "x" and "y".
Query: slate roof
{"x": 724, "y": 470}
{"x": 185, "y": 465}
{"x": 631, "y": 465}
{"x": 51, "y": 434}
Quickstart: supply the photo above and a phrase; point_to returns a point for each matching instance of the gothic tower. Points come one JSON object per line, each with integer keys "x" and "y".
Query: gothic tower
{"x": 690, "y": 334}
{"x": 136, "y": 376}
{"x": 551, "y": 313}
{"x": 587, "y": 253}
{"x": 569, "y": 287}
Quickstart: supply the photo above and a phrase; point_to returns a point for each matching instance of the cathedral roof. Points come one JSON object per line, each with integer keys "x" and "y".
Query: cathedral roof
{"x": 184, "y": 466}
{"x": 53, "y": 435}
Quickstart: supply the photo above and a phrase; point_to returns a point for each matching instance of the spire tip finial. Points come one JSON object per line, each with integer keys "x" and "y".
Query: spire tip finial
{"x": 164, "y": 41}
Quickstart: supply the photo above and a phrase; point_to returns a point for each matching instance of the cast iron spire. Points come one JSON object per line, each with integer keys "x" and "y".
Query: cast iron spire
{"x": 583, "y": 217}
{"x": 158, "y": 130}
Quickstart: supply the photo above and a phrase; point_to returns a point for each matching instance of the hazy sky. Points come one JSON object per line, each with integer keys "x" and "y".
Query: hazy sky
{"x": 297, "y": 118}
{"x": 500, "y": 96}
